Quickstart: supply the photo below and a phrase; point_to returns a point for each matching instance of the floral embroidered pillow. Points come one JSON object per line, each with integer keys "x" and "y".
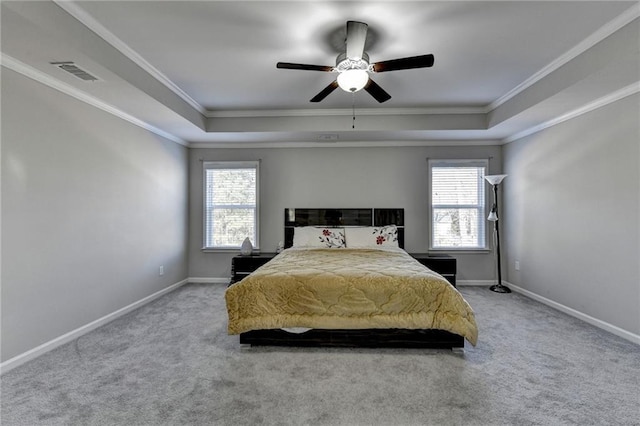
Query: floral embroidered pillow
{"x": 310, "y": 236}
{"x": 367, "y": 237}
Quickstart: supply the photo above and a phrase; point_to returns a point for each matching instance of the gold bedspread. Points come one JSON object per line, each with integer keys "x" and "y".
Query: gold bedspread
{"x": 347, "y": 289}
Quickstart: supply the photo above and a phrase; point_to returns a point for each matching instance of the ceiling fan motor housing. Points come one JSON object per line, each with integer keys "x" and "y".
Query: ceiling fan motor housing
{"x": 343, "y": 63}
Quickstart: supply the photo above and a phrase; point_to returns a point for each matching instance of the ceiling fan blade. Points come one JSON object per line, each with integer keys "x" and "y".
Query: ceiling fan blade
{"x": 325, "y": 92}
{"x": 422, "y": 61}
{"x": 356, "y": 37}
{"x": 291, "y": 66}
{"x": 376, "y": 91}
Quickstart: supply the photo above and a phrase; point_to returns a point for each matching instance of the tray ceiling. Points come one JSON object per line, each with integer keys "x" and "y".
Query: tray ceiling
{"x": 204, "y": 72}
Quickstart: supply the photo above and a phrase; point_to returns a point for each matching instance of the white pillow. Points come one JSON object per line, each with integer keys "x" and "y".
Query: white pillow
{"x": 370, "y": 236}
{"x": 310, "y": 236}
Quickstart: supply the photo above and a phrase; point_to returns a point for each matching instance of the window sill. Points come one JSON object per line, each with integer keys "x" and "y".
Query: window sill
{"x": 460, "y": 251}
{"x": 255, "y": 250}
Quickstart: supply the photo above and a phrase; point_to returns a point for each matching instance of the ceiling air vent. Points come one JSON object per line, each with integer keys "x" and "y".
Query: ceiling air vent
{"x": 73, "y": 69}
{"x": 328, "y": 137}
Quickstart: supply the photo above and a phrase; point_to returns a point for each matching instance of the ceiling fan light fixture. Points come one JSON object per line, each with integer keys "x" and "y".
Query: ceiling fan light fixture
{"x": 353, "y": 80}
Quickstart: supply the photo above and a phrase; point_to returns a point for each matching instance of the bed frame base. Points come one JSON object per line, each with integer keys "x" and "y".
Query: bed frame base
{"x": 370, "y": 338}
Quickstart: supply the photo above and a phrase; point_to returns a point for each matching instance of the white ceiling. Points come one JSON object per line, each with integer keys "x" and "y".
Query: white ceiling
{"x": 203, "y": 72}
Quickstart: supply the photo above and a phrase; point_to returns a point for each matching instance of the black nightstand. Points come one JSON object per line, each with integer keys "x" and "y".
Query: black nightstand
{"x": 241, "y": 266}
{"x": 444, "y": 264}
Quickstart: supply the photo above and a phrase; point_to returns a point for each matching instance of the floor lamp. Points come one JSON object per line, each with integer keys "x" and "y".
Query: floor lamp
{"x": 495, "y": 180}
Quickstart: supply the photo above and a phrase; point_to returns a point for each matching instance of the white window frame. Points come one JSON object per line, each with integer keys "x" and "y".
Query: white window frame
{"x": 482, "y": 208}
{"x": 208, "y": 165}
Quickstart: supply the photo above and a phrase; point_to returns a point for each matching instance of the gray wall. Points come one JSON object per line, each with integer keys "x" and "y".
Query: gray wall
{"x": 91, "y": 207}
{"x": 572, "y": 213}
{"x": 335, "y": 177}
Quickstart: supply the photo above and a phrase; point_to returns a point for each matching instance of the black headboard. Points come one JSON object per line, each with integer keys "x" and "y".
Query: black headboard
{"x": 342, "y": 218}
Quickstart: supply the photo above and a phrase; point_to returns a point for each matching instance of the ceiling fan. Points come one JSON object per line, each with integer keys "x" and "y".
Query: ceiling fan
{"x": 353, "y": 66}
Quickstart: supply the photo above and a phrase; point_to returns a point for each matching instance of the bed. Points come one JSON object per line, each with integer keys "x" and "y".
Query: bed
{"x": 321, "y": 291}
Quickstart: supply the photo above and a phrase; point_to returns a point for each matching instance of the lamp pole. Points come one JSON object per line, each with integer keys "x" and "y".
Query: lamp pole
{"x": 493, "y": 216}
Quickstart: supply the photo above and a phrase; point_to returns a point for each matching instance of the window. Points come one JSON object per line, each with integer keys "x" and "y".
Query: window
{"x": 457, "y": 204}
{"x": 230, "y": 204}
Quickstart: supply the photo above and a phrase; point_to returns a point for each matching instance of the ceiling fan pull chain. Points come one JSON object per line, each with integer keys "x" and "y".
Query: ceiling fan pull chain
{"x": 353, "y": 109}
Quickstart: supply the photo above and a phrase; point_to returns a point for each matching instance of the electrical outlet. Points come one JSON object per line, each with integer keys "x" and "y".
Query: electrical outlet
{"x": 161, "y": 271}
{"x": 517, "y": 265}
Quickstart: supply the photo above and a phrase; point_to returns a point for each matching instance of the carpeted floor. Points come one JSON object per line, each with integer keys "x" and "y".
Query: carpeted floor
{"x": 172, "y": 363}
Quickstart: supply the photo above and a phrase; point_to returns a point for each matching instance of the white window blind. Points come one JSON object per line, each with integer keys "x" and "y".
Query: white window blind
{"x": 230, "y": 204}
{"x": 457, "y": 204}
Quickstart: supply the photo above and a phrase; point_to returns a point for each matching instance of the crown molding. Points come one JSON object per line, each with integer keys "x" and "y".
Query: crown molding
{"x": 88, "y": 21}
{"x": 349, "y": 144}
{"x": 612, "y": 26}
{"x": 603, "y": 32}
{"x": 344, "y": 112}
{"x": 34, "y": 74}
{"x": 591, "y": 106}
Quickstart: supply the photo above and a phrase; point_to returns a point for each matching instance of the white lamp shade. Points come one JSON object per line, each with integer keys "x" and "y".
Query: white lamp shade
{"x": 352, "y": 80}
{"x": 493, "y": 217}
{"x": 495, "y": 179}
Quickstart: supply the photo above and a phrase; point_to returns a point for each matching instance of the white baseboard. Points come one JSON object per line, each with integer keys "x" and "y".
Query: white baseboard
{"x": 482, "y": 283}
{"x": 207, "y": 280}
{"x": 634, "y": 338}
{"x": 74, "y": 334}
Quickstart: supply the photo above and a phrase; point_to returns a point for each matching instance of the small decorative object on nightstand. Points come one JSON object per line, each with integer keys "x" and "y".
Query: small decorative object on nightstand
{"x": 241, "y": 266}
{"x": 246, "y": 248}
